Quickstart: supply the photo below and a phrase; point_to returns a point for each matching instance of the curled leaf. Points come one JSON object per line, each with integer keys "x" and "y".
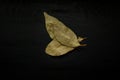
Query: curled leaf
{"x": 54, "y": 48}
{"x": 64, "y": 39}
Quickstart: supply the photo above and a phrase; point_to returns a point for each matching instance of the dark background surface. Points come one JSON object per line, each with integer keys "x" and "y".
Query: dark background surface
{"x": 24, "y": 38}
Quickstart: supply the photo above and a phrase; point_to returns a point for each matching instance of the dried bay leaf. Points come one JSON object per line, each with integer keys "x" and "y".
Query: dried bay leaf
{"x": 54, "y": 48}
{"x": 64, "y": 39}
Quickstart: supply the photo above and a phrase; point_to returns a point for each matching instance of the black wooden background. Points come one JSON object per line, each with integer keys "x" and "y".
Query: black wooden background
{"x": 24, "y": 38}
